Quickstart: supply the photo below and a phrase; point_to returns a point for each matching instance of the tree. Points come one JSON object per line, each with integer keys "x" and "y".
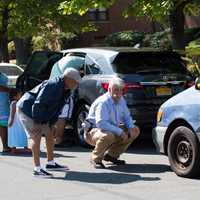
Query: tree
{"x": 4, "y": 9}
{"x": 18, "y": 18}
{"x": 82, "y": 6}
{"x": 21, "y": 19}
{"x": 165, "y": 11}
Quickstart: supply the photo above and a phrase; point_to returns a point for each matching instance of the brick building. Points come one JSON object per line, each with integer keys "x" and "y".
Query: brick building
{"x": 110, "y": 21}
{"x": 192, "y": 22}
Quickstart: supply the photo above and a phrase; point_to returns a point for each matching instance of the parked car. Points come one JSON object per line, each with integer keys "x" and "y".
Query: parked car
{"x": 151, "y": 77}
{"x": 177, "y": 133}
{"x": 37, "y": 69}
{"x": 12, "y": 71}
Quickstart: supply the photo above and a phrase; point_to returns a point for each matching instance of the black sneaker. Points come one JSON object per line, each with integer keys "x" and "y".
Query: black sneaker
{"x": 42, "y": 174}
{"x": 56, "y": 167}
{"x": 114, "y": 160}
{"x": 97, "y": 165}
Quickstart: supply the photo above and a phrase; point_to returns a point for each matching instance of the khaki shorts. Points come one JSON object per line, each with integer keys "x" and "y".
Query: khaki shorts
{"x": 31, "y": 128}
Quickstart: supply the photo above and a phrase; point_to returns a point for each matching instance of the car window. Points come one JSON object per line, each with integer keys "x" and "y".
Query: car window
{"x": 11, "y": 70}
{"x": 39, "y": 61}
{"x": 68, "y": 61}
{"x": 91, "y": 66}
{"x": 147, "y": 63}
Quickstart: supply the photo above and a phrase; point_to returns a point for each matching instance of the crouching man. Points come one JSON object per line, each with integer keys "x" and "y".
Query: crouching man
{"x": 112, "y": 126}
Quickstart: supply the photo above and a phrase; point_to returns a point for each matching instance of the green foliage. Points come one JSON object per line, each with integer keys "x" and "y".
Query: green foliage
{"x": 154, "y": 9}
{"x": 160, "y": 9}
{"x": 28, "y": 18}
{"x": 160, "y": 40}
{"x": 193, "y": 8}
{"x": 193, "y": 48}
{"x": 54, "y": 41}
{"x": 193, "y": 57}
{"x": 82, "y": 6}
{"x": 124, "y": 38}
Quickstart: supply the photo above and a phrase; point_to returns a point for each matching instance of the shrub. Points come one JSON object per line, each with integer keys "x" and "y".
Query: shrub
{"x": 124, "y": 38}
{"x": 193, "y": 57}
{"x": 160, "y": 39}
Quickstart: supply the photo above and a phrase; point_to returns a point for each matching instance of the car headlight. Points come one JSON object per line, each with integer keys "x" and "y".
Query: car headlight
{"x": 159, "y": 115}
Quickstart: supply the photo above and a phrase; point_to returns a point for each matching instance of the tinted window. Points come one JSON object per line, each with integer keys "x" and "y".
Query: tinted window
{"x": 149, "y": 62}
{"x": 69, "y": 61}
{"x": 40, "y": 61}
{"x": 10, "y": 70}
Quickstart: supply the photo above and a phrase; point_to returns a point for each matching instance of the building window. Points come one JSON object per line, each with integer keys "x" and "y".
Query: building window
{"x": 100, "y": 14}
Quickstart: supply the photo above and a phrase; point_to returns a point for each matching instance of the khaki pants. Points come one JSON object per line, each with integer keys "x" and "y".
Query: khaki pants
{"x": 106, "y": 142}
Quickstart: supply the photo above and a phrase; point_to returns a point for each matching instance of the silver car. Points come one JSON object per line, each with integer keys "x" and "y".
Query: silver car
{"x": 177, "y": 133}
{"x": 12, "y": 71}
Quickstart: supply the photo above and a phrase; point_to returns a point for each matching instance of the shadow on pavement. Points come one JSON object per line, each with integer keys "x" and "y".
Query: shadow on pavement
{"x": 42, "y": 155}
{"x": 140, "y": 168}
{"x": 105, "y": 178}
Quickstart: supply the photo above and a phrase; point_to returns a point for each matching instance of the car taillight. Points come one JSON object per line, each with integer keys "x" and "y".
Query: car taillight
{"x": 130, "y": 86}
{"x": 105, "y": 86}
{"x": 127, "y": 86}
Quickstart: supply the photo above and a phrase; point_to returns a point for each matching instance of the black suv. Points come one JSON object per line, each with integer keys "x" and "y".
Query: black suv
{"x": 151, "y": 77}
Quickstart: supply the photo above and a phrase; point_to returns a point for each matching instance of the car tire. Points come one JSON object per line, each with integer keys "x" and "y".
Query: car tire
{"x": 81, "y": 115}
{"x": 184, "y": 152}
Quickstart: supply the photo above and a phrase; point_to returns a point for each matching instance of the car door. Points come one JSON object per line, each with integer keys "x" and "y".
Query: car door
{"x": 38, "y": 69}
{"x": 88, "y": 87}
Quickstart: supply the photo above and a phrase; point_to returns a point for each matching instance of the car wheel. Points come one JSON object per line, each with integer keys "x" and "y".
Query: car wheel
{"x": 79, "y": 119}
{"x": 184, "y": 152}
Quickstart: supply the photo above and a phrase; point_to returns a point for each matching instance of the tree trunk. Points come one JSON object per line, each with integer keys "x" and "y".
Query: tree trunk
{"x": 23, "y": 48}
{"x": 4, "y": 56}
{"x": 177, "y": 21}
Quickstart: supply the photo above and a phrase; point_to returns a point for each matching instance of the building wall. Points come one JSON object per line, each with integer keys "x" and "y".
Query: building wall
{"x": 115, "y": 23}
{"x": 192, "y": 22}
{"x": 118, "y": 23}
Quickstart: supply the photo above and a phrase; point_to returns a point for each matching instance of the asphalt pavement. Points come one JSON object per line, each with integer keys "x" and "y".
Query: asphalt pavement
{"x": 146, "y": 176}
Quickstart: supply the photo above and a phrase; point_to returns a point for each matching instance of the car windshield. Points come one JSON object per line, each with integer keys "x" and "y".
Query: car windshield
{"x": 147, "y": 63}
{"x": 10, "y": 70}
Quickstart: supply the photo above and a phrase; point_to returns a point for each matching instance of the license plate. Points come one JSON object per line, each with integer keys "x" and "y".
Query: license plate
{"x": 163, "y": 91}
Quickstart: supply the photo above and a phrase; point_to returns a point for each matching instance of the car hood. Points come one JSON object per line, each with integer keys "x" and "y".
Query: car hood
{"x": 190, "y": 96}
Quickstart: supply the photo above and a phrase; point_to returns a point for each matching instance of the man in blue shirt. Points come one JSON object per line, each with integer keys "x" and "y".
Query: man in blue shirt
{"x": 113, "y": 129}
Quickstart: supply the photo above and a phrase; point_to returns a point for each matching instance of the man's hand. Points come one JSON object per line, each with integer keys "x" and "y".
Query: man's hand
{"x": 124, "y": 136}
{"x": 134, "y": 132}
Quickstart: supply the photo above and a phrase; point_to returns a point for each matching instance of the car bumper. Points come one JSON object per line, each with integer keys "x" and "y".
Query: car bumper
{"x": 158, "y": 135}
{"x": 144, "y": 117}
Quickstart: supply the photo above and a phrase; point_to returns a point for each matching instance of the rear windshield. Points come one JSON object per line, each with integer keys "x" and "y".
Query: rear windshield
{"x": 148, "y": 62}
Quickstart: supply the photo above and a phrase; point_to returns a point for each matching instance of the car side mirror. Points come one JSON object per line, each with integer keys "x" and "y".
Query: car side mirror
{"x": 197, "y": 83}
